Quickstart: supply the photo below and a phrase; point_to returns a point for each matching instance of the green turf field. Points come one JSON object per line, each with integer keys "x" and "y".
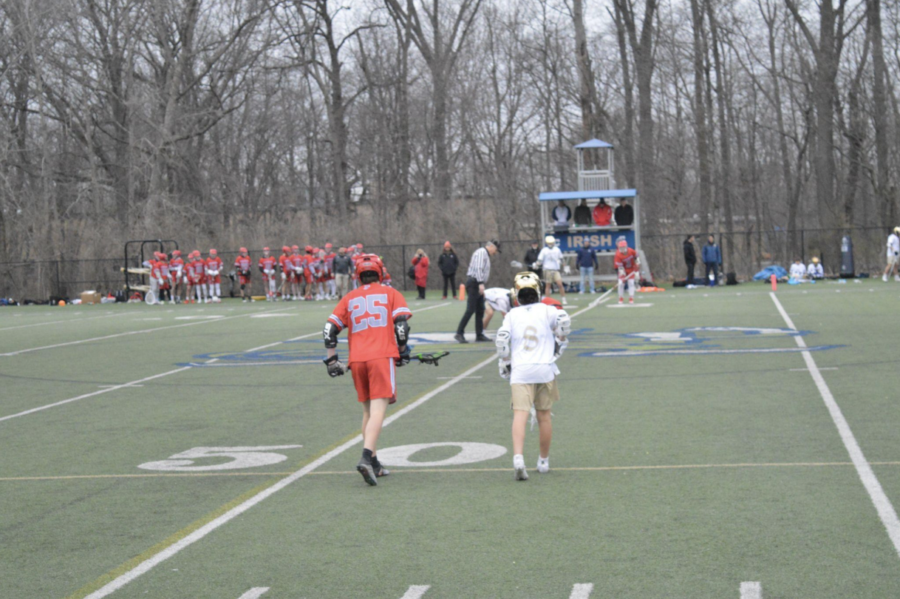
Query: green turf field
{"x": 698, "y": 453}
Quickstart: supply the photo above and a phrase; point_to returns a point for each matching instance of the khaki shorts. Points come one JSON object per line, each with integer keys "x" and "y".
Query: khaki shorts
{"x": 552, "y": 276}
{"x": 892, "y": 260}
{"x": 540, "y": 395}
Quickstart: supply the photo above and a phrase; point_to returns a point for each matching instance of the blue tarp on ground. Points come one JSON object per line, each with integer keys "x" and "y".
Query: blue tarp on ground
{"x": 766, "y": 273}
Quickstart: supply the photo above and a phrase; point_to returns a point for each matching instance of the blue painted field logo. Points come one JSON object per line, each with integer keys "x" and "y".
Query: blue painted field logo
{"x": 706, "y": 341}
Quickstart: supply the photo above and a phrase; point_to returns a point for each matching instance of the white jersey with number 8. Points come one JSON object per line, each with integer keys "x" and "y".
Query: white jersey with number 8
{"x": 532, "y": 340}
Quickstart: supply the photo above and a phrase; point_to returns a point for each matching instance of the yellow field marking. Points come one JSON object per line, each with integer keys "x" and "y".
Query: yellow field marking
{"x": 442, "y": 470}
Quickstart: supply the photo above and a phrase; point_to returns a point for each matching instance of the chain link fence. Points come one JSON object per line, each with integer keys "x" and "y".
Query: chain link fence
{"x": 751, "y": 251}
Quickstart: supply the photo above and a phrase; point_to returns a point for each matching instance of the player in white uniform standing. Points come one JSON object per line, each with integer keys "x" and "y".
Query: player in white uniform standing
{"x": 893, "y": 255}
{"x": 532, "y": 337}
{"x": 550, "y": 260}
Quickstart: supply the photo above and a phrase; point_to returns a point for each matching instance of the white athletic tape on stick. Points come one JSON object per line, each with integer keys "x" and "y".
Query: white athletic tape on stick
{"x": 209, "y": 527}
{"x": 883, "y": 505}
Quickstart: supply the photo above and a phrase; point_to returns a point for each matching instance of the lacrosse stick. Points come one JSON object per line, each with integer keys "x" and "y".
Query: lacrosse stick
{"x": 431, "y": 358}
{"x": 516, "y": 264}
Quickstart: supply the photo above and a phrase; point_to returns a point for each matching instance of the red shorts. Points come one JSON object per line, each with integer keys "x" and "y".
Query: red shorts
{"x": 375, "y": 379}
{"x": 216, "y": 279}
{"x": 244, "y": 279}
{"x": 308, "y": 276}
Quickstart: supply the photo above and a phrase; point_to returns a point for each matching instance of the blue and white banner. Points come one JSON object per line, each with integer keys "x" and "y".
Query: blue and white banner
{"x": 602, "y": 241}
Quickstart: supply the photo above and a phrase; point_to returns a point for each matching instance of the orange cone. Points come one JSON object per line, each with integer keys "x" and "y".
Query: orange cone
{"x": 774, "y": 283}
{"x": 462, "y": 293}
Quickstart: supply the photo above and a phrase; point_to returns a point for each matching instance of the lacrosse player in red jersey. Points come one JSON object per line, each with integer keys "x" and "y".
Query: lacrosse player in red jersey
{"x": 376, "y": 319}
{"x": 213, "y": 278}
{"x": 267, "y": 268}
{"x": 628, "y": 266}
{"x": 243, "y": 264}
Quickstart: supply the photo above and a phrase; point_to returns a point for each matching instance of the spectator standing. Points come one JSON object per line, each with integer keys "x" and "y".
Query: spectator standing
{"x": 420, "y": 262}
{"x": 583, "y": 214}
{"x": 712, "y": 258}
{"x": 448, "y": 262}
{"x": 343, "y": 266}
{"x": 815, "y": 271}
{"x": 602, "y": 214}
{"x": 893, "y": 255}
{"x": 624, "y": 214}
{"x": 690, "y": 259}
{"x": 586, "y": 257}
{"x": 531, "y": 257}
{"x": 476, "y": 277}
{"x": 551, "y": 261}
{"x": 561, "y": 216}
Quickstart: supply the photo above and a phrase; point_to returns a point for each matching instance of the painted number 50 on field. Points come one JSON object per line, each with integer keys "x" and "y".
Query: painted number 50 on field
{"x": 240, "y": 458}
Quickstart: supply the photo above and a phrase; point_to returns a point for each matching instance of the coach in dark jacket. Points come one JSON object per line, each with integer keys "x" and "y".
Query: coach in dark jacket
{"x": 531, "y": 257}
{"x": 712, "y": 258}
{"x": 690, "y": 259}
{"x": 449, "y": 263}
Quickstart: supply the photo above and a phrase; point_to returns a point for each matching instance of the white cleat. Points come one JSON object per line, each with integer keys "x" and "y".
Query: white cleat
{"x": 564, "y": 302}
{"x": 543, "y": 465}
{"x": 897, "y": 277}
{"x": 884, "y": 278}
{"x": 519, "y": 466}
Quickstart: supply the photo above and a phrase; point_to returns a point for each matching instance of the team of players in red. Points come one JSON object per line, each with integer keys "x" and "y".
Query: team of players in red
{"x": 290, "y": 276}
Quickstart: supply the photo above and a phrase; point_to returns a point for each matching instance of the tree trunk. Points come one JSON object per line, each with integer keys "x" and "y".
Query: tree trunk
{"x": 700, "y": 126}
{"x": 724, "y": 141}
{"x": 628, "y": 89}
{"x": 880, "y": 112}
{"x": 591, "y": 123}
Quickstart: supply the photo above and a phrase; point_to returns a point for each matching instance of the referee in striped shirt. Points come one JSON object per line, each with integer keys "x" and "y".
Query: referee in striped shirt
{"x": 476, "y": 277}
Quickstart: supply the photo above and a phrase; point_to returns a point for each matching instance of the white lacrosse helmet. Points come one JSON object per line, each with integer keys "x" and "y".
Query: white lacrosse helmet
{"x": 550, "y": 240}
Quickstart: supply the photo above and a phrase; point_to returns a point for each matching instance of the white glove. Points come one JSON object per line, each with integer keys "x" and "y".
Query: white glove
{"x": 566, "y": 269}
{"x": 559, "y": 347}
{"x": 505, "y": 369}
{"x": 621, "y": 273}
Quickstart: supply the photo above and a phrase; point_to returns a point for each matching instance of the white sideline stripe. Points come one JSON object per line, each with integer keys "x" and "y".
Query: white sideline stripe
{"x": 94, "y": 394}
{"x": 751, "y": 590}
{"x": 254, "y": 593}
{"x": 42, "y": 324}
{"x": 415, "y": 591}
{"x": 127, "y": 333}
{"x": 209, "y": 527}
{"x": 582, "y": 591}
{"x": 807, "y": 369}
{"x": 882, "y": 504}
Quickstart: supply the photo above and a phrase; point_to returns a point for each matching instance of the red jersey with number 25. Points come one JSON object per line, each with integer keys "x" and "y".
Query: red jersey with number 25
{"x": 368, "y": 314}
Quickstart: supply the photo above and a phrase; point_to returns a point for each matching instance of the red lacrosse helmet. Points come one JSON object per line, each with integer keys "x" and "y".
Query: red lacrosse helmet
{"x": 370, "y": 263}
{"x": 359, "y": 246}
{"x": 212, "y": 252}
{"x": 328, "y": 246}
{"x": 176, "y": 253}
{"x": 243, "y": 250}
{"x": 295, "y": 248}
{"x": 308, "y": 249}
{"x": 286, "y": 249}
{"x": 266, "y": 249}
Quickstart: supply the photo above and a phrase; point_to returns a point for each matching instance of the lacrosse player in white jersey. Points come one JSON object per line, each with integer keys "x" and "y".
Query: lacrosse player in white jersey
{"x": 532, "y": 337}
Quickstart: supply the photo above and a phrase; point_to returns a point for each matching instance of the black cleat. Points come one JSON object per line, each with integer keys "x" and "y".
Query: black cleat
{"x": 381, "y": 471}
{"x": 460, "y": 338}
{"x": 368, "y": 473}
{"x": 483, "y": 339}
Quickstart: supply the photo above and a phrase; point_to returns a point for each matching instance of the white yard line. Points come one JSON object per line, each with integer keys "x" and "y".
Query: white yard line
{"x": 882, "y": 504}
{"x": 582, "y": 591}
{"x": 43, "y": 324}
{"x": 416, "y": 591}
{"x": 94, "y": 394}
{"x": 128, "y": 333}
{"x": 751, "y": 590}
{"x": 254, "y": 593}
{"x": 209, "y": 527}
